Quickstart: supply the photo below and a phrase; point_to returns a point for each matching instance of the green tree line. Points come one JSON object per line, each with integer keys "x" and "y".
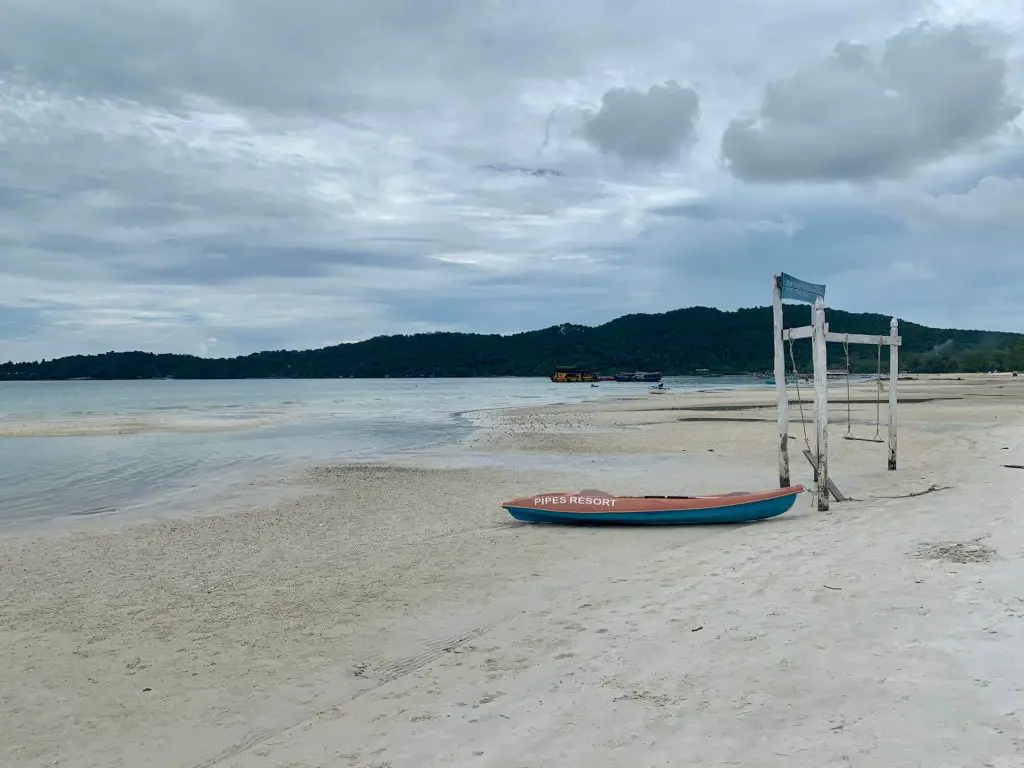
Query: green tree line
{"x": 680, "y": 342}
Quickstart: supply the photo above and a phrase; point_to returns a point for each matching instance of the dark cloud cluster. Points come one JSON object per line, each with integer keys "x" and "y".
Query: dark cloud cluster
{"x": 859, "y": 114}
{"x": 644, "y": 126}
{"x": 932, "y": 91}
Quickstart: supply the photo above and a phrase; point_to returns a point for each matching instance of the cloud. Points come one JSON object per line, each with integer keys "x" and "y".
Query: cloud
{"x": 541, "y": 171}
{"x": 909, "y": 270}
{"x": 994, "y": 202}
{"x": 646, "y": 127}
{"x": 178, "y": 171}
{"x": 932, "y": 91}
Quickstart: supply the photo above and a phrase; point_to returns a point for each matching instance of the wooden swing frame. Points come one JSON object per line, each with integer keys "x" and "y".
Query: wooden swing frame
{"x": 787, "y": 287}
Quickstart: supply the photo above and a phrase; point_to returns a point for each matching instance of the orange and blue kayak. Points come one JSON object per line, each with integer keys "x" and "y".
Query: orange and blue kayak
{"x": 595, "y": 507}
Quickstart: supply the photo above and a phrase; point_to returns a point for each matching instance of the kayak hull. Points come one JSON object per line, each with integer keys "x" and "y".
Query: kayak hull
{"x": 598, "y": 507}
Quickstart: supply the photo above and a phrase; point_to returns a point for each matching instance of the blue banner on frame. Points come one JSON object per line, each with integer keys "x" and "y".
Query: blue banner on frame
{"x": 799, "y": 290}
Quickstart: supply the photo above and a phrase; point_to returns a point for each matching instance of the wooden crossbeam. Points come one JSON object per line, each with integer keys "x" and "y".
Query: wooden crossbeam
{"x": 807, "y": 331}
{"x": 792, "y": 334}
{"x": 862, "y": 338}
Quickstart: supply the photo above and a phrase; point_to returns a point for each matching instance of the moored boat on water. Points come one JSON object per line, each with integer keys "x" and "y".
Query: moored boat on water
{"x": 565, "y": 374}
{"x": 595, "y": 507}
{"x": 647, "y": 377}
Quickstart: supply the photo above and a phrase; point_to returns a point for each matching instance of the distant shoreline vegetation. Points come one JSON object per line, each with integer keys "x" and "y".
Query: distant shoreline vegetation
{"x": 691, "y": 341}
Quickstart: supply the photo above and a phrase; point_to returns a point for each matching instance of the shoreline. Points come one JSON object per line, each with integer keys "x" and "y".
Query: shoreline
{"x": 209, "y": 491}
{"x": 373, "y": 612}
{"x": 479, "y": 427}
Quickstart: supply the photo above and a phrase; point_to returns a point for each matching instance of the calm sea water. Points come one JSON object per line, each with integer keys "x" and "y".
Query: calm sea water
{"x": 179, "y": 436}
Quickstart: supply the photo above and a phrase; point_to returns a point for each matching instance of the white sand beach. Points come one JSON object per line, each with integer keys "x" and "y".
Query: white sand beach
{"x": 371, "y": 615}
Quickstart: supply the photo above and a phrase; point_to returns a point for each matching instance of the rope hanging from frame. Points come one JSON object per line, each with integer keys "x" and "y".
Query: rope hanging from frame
{"x": 878, "y": 394}
{"x": 849, "y": 414}
{"x": 799, "y": 397}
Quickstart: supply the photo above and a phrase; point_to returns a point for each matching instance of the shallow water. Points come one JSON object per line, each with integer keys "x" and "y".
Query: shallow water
{"x": 136, "y": 440}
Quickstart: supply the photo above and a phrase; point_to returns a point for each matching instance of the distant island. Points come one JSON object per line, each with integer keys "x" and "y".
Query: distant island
{"x": 685, "y": 341}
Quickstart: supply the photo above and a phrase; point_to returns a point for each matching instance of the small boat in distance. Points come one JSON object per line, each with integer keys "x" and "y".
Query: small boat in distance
{"x": 644, "y": 376}
{"x": 595, "y": 507}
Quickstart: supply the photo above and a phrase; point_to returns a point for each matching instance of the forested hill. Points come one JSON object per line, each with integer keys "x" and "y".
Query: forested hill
{"x": 683, "y": 341}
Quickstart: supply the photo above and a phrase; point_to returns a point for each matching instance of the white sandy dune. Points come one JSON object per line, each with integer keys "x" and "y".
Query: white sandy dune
{"x": 395, "y": 616}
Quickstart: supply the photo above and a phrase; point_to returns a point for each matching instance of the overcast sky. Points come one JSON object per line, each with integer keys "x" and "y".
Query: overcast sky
{"x": 222, "y": 176}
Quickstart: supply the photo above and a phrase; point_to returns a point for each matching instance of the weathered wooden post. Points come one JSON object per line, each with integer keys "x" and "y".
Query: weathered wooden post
{"x": 820, "y": 357}
{"x": 894, "y": 372}
{"x": 780, "y": 384}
